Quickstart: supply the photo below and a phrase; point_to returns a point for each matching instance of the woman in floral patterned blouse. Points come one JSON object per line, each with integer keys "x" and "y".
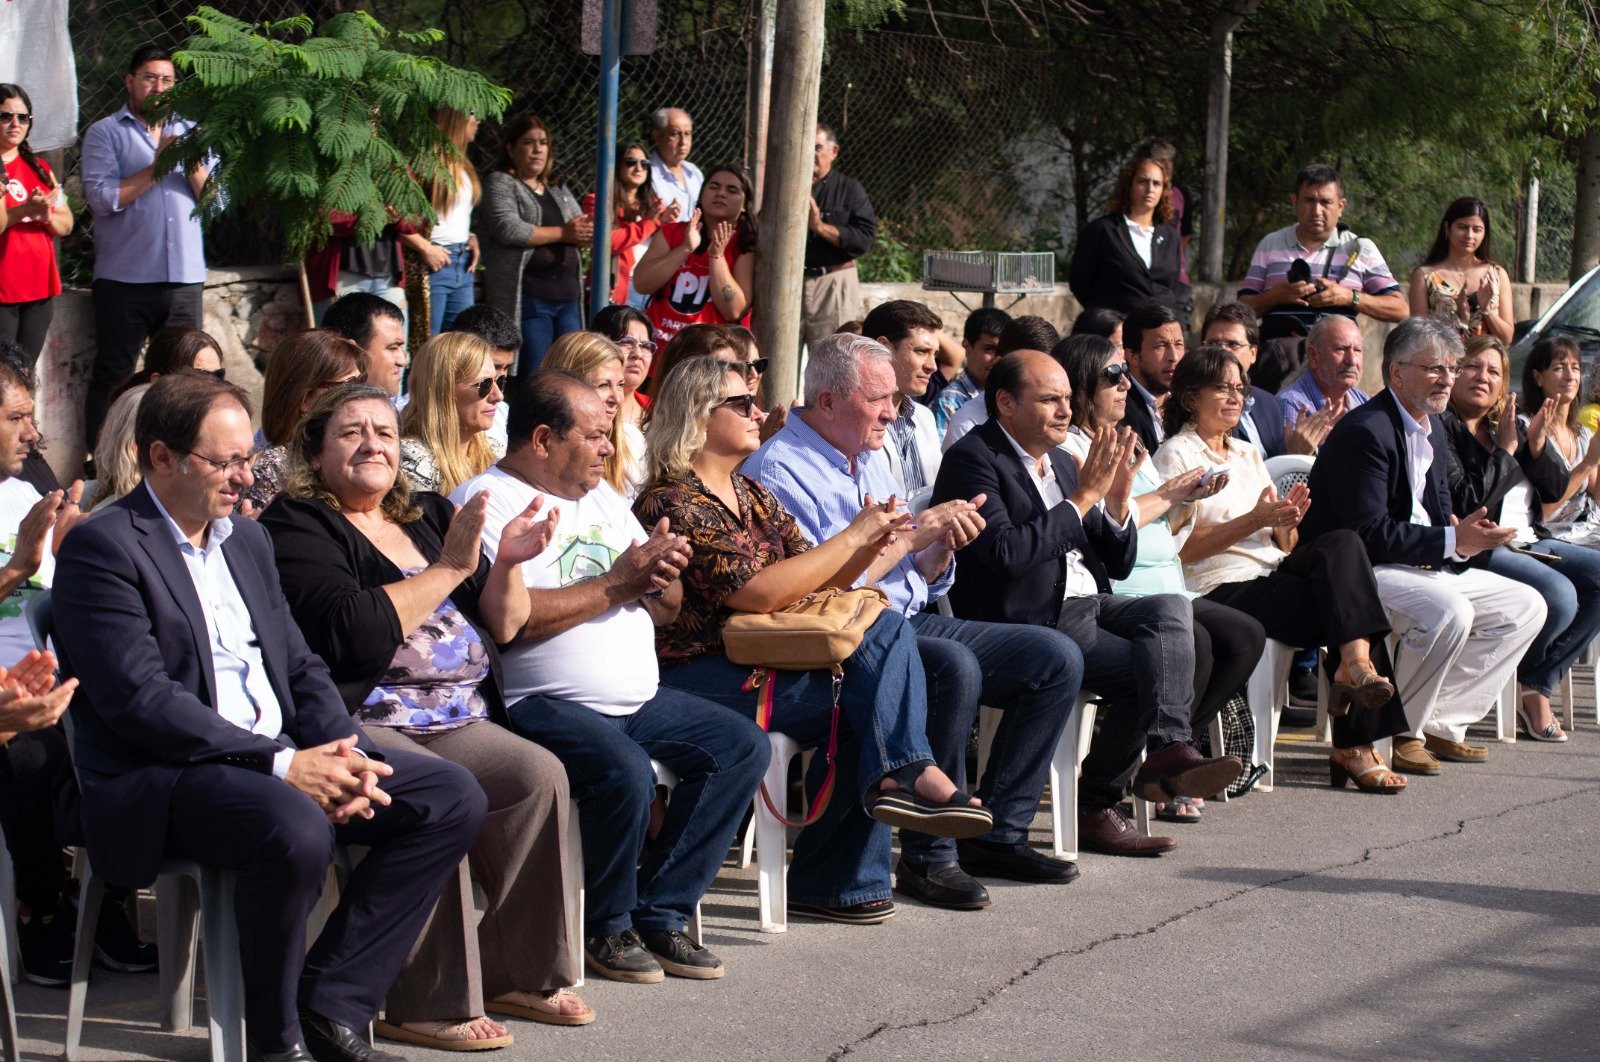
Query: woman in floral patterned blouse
{"x": 749, "y": 556}
{"x": 392, "y": 591}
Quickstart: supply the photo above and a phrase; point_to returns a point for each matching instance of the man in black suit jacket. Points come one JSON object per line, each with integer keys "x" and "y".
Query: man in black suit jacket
{"x": 208, "y": 731}
{"x": 1384, "y": 473}
{"x": 1153, "y": 343}
{"x": 1053, "y": 540}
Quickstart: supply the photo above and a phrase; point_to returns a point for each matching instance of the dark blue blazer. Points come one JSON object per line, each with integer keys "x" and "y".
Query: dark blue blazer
{"x": 129, "y": 627}
{"x": 1360, "y": 482}
{"x": 1016, "y": 569}
{"x": 1267, "y": 415}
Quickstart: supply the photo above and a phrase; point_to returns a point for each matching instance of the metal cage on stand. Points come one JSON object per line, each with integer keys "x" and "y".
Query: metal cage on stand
{"x": 989, "y": 273}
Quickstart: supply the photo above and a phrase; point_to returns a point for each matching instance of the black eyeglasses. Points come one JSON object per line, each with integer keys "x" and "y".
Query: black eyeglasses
{"x": 489, "y": 383}
{"x": 744, "y": 405}
{"x": 21, "y": 118}
{"x": 1114, "y": 374}
{"x": 229, "y": 467}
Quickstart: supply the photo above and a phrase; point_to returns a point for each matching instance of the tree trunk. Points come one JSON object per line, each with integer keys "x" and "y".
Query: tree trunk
{"x": 785, "y": 204}
{"x": 305, "y": 296}
{"x": 758, "y": 94}
{"x": 1586, "y": 210}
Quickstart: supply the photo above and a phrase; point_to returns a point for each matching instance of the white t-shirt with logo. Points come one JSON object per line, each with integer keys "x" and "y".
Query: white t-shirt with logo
{"x": 16, "y": 498}
{"x": 608, "y": 662}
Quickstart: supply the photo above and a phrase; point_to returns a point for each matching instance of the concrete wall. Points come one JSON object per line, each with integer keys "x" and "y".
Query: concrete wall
{"x": 249, "y": 310}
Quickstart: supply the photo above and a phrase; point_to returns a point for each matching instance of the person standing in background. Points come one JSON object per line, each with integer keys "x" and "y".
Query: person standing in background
{"x": 452, "y": 251}
{"x": 841, "y": 228}
{"x": 674, "y": 177}
{"x": 35, "y": 214}
{"x": 639, "y": 213}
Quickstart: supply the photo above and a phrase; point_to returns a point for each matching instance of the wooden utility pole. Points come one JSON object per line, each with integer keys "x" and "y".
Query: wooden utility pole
{"x": 1528, "y": 233}
{"x": 1217, "y": 102}
{"x": 1586, "y": 208}
{"x": 786, "y": 192}
{"x": 758, "y": 94}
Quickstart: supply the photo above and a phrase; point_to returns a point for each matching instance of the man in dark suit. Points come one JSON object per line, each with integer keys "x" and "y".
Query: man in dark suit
{"x": 1052, "y": 541}
{"x": 207, "y": 731}
{"x": 1153, "y": 343}
{"x": 1384, "y": 473}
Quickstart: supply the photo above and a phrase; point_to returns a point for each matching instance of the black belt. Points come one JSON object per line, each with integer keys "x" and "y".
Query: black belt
{"x": 818, "y": 271}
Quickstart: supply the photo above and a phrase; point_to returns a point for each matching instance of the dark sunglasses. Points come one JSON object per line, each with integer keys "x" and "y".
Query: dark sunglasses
{"x": 743, "y": 405}
{"x": 635, "y": 164}
{"x": 1113, "y": 374}
{"x": 489, "y": 383}
{"x": 757, "y": 367}
{"x": 20, "y": 117}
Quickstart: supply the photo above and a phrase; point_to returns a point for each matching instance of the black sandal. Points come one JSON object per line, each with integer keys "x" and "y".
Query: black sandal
{"x": 957, "y": 817}
{"x": 865, "y": 913}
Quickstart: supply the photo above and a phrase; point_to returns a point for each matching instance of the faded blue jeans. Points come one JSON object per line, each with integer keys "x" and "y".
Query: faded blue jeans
{"x": 843, "y": 858}
{"x": 449, "y": 289}
{"x": 1571, "y": 592}
{"x": 544, "y": 322}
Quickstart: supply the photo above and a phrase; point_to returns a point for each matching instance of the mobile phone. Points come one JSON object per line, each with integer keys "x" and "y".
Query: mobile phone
{"x": 1549, "y": 558}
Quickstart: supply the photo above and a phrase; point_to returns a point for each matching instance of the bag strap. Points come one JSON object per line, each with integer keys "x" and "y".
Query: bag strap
{"x": 764, "y": 681}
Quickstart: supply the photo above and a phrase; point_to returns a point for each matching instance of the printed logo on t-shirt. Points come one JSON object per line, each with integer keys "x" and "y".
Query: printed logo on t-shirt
{"x": 688, "y": 295}
{"x": 584, "y": 557}
{"x": 15, "y": 191}
{"x": 13, "y": 604}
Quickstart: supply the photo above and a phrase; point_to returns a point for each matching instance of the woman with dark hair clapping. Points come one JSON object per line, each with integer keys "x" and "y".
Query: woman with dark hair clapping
{"x": 639, "y": 213}
{"x": 35, "y": 215}
{"x": 1459, "y": 280}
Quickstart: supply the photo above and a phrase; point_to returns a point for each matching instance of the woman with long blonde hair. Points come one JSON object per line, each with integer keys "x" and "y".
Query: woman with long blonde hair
{"x": 116, "y": 459}
{"x": 600, "y": 362}
{"x": 454, "y": 394}
{"x": 453, "y": 254}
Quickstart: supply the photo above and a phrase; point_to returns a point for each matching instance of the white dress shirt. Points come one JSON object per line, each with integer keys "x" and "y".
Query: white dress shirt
{"x": 1142, "y": 236}
{"x": 1419, "y": 459}
{"x": 244, "y": 693}
{"x": 1140, "y": 394}
{"x": 1080, "y": 580}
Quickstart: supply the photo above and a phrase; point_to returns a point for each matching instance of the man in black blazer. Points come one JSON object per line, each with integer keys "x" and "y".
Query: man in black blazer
{"x": 1384, "y": 473}
{"x": 1153, "y": 343}
{"x": 207, "y": 731}
{"x": 1052, "y": 542}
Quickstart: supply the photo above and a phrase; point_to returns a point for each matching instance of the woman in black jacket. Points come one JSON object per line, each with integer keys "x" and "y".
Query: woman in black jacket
{"x": 1130, "y": 256}
{"x": 392, "y": 591}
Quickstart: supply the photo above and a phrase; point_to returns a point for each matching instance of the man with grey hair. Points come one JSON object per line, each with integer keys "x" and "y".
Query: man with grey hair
{"x": 1384, "y": 473}
{"x": 1329, "y": 383}
{"x": 675, "y": 178}
{"x": 824, "y": 464}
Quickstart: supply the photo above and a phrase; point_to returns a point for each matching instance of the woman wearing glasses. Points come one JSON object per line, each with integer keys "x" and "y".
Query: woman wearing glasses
{"x": 639, "y": 213}
{"x": 1227, "y": 643}
{"x": 1240, "y": 548}
{"x": 35, "y": 215}
{"x": 455, "y": 392}
{"x": 635, "y": 336}
{"x": 600, "y": 362}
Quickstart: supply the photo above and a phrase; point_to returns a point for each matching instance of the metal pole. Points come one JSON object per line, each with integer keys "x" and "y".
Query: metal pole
{"x": 606, "y": 156}
{"x": 1214, "y": 226}
{"x": 1528, "y": 251}
{"x": 758, "y": 96}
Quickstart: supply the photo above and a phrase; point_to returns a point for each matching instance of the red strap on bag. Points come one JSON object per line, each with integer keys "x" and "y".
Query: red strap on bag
{"x": 763, "y": 680}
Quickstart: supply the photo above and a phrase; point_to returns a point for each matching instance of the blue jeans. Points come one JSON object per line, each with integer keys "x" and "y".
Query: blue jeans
{"x": 544, "y": 322}
{"x": 843, "y": 857}
{"x": 1571, "y": 592}
{"x": 1032, "y": 674}
{"x": 719, "y": 760}
{"x": 449, "y": 289}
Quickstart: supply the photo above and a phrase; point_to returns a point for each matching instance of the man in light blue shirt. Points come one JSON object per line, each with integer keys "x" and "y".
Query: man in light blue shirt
{"x": 674, "y": 177}
{"x": 149, "y": 257}
{"x": 824, "y": 465}
{"x": 1328, "y": 382}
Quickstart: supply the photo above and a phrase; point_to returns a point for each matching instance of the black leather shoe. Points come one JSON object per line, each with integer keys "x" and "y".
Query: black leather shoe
{"x": 328, "y": 1041}
{"x": 940, "y": 885}
{"x": 297, "y": 1053}
{"x": 1014, "y": 862}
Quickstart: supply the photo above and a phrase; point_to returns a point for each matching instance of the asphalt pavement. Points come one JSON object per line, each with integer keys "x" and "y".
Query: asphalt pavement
{"x": 1458, "y": 920}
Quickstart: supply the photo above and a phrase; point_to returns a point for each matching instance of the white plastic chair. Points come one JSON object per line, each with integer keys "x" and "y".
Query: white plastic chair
{"x": 577, "y": 895}
{"x": 1264, "y": 693}
{"x": 1286, "y": 470}
{"x": 772, "y": 838}
{"x": 1065, "y": 767}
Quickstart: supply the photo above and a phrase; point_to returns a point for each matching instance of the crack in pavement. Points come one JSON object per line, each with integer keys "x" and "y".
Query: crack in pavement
{"x": 991, "y": 994}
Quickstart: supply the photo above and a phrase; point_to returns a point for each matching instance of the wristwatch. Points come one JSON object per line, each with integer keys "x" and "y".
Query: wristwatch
{"x": 1355, "y": 299}
{"x": 653, "y": 595}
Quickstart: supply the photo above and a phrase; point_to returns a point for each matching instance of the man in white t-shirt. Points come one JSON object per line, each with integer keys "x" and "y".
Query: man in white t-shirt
{"x": 582, "y": 681}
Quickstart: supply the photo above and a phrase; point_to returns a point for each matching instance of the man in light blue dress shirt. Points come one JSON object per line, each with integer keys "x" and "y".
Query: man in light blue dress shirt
{"x": 823, "y": 465}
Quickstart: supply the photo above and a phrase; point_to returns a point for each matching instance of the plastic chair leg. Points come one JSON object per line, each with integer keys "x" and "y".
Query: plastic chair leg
{"x": 572, "y": 870}
{"x": 224, "y": 973}
{"x": 90, "y": 892}
{"x": 1070, "y": 752}
{"x": 1569, "y": 704}
{"x": 1505, "y": 713}
{"x": 988, "y": 726}
{"x": 177, "y": 933}
{"x": 8, "y": 920}
{"x": 772, "y": 842}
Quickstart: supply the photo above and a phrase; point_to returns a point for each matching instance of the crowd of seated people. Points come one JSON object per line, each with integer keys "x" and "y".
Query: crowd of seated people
{"x": 437, "y": 613}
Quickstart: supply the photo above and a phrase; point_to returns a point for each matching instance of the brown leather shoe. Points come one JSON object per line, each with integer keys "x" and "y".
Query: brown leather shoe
{"x": 1178, "y": 769}
{"x": 1110, "y": 832}
{"x": 1411, "y": 757}
{"x": 1455, "y": 751}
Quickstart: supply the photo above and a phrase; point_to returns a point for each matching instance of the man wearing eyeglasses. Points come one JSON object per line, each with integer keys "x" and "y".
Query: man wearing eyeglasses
{"x": 1385, "y": 474}
{"x": 840, "y": 229}
{"x": 674, "y": 177}
{"x": 149, "y": 255}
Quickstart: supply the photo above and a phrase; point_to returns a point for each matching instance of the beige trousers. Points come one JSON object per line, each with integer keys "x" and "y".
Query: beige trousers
{"x": 827, "y": 302}
{"x": 521, "y": 942}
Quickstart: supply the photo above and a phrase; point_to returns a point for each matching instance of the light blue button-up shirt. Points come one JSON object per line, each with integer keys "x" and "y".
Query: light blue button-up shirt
{"x": 244, "y": 693}
{"x": 155, "y": 239}
{"x": 813, "y": 480}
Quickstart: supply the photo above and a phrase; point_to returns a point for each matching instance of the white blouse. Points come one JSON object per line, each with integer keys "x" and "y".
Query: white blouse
{"x": 1254, "y": 555}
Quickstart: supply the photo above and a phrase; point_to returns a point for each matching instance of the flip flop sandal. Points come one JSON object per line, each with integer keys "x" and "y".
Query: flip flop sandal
{"x": 904, "y": 809}
{"x": 435, "y": 1038}
{"x": 1172, "y": 811}
{"x": 547, "y": 1010}
{"x": 865, "y": 913}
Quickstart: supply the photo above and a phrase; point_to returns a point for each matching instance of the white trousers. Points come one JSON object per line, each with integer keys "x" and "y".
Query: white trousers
{"x": 1462, "y": 635}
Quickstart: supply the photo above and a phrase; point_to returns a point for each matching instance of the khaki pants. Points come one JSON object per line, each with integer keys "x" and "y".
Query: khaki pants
{"x": 521, "y": 944}
{"x": 827, "y": 302}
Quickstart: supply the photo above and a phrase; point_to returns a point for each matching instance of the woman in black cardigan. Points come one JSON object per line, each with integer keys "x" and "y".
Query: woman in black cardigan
{"x": 1131, "y": 255}
{"x": 391, "y": 590}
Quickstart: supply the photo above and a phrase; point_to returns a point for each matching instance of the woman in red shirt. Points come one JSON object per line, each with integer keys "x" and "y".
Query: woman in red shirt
{"x": 35, "y": 214}
{"x": 702, "y": 271}
{"x": 640, "y": 212}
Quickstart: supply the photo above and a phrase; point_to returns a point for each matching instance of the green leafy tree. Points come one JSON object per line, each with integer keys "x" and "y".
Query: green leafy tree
{"x": 309, "y": 121}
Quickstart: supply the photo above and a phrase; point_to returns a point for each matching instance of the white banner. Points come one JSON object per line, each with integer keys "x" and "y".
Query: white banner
{"x": 36, "y": 53}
